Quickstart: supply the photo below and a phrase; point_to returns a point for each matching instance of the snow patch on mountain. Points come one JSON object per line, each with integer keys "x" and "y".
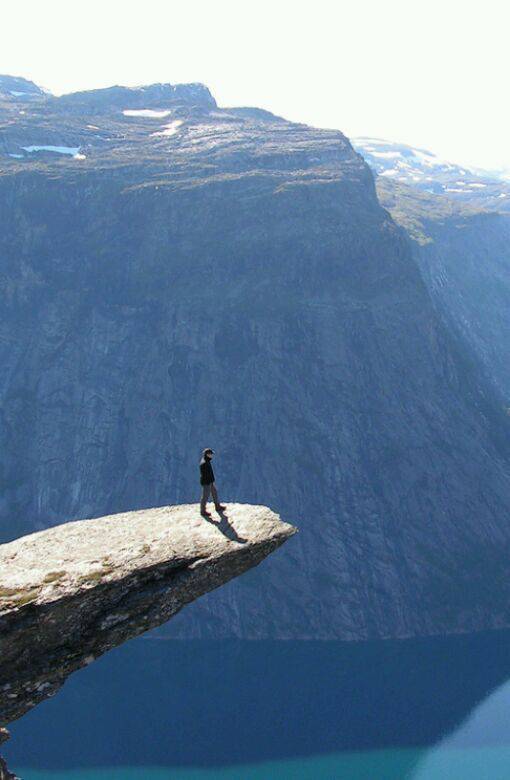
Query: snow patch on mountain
{"x": 72, "y": 150}
{"x": 426, "y": 171}
{"x": 170, "y": 129}
{"x": 147, "y": 112}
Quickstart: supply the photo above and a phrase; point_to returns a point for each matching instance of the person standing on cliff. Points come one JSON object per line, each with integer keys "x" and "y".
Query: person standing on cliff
{"x": 207, "y": 482}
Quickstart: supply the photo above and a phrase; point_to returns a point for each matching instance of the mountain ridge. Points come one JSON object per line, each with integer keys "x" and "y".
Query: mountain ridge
{"x": 426, "y": 172}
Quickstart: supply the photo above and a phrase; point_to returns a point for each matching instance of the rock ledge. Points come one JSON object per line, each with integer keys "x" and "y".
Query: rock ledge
{"x": 74, "y": 591}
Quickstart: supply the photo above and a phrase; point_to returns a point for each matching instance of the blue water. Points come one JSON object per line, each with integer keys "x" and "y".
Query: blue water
{"x": 155, "y": 709}
{"x": 489, "y": 764}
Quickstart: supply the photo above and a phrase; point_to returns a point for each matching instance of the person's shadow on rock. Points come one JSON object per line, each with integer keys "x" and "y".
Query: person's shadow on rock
{"x": 225, "y": 527}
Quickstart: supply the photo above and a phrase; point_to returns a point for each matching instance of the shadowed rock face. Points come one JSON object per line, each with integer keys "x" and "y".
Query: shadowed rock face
{"x": 72, "y": 592}
{"x": 4, "y": 772}
{"x": 464, "y": 255}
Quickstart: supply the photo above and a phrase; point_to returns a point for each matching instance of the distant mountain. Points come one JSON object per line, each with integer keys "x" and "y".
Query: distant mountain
{"x": 97, "y": 101}
{"x": 35, "y": 125}
{"x": 17, "y": 89}
{"x": 175, "y": 275}
{"x": 422, "y": 169}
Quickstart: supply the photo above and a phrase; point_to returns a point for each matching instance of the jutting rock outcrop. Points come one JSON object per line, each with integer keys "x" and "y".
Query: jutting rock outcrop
{"x": 74, "y": 591}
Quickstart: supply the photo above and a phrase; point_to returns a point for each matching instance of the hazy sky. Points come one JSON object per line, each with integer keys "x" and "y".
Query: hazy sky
{"x": 433, "y": 73}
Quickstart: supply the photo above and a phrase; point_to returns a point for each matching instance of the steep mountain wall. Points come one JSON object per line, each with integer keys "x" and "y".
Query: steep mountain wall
{"x": 236, "y": 284}
{"x": 464, "y": 256}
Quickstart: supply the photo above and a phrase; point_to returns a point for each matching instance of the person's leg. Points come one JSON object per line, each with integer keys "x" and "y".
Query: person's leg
{"x": 206, "y": 489}
{"x": 215, "y": 497}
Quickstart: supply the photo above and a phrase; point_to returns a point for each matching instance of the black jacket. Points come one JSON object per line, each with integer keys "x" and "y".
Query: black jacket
{"x": 206, "y": 471}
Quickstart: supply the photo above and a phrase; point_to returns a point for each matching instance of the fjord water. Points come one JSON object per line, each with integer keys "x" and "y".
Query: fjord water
{"x": 154, "y": 709}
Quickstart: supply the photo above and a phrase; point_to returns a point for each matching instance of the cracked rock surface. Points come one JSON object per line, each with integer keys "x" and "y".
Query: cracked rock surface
{"x": 74, "y": 591}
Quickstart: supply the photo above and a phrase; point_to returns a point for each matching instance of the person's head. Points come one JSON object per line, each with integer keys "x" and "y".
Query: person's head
{"x": 208, "y": 453}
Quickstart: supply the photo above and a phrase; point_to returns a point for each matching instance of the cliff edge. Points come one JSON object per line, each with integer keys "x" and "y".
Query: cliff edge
{"x": 74, "y": 591}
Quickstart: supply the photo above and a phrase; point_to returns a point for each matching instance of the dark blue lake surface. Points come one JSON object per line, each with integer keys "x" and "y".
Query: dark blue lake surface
{"x": 430, "y": 709}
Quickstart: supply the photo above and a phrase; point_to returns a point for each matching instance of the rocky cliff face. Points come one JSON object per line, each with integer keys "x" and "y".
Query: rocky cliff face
{"x": 70, "y": 593}
{"x": 182, "y": 276}
{"x": 4, "y": 771}
{"x": 464, "y": 255}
